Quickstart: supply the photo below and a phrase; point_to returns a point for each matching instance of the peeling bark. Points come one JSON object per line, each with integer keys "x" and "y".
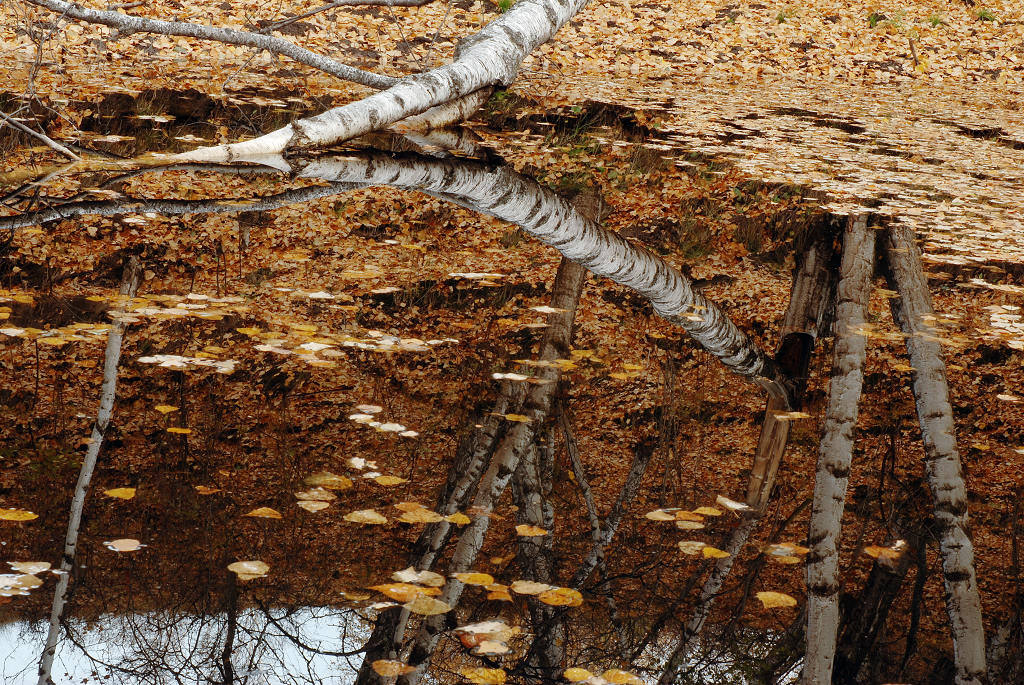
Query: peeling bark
{"x": 836, "y": 453}
{"x": 942, "y": 459}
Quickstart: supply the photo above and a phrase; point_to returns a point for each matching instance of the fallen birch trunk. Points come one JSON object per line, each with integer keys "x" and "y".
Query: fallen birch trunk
{"x": 836, "y": 453}
{"x": 942, "y": 460}
{"x": 108, "y": 393}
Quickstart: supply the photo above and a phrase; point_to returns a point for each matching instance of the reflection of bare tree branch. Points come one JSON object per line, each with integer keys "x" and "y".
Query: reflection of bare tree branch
{"x": 108, "y": 393}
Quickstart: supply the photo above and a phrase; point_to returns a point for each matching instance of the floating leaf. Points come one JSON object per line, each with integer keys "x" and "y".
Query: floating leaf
{"x": 369, "y": 408}
{"x": 785, "y": 560}
{"x": 688, "y": 516}
{"x": 770, "y": 600}
{"x": 561, "y": 597}
{"x": 420, "y": 516}
{"x": 458, "y": 518}
{"x": 316, "y": 495}
{"x": 499, "y": 596}
{"x": 491, "y": 647}
{"x": 427, "y": 606}
{"x": 707, "y": 511}
{"x": 529, "y": 587}
{"x": 483, "y": 676}
{"x": 620, "y": 677}
{"x": 120, "y": 493}
{"x": 689, "y": 525}
{"x": 17, "y": 515}
{"x": 785, "y": 549}
{"x": 405, "y": 592}
{"x": 661, "y": 515}
{"x": 328, "y": 481}
{"x": 691, "y": 546}
{"x": 368, "y": 516}
{"x": 249, "y": 570}
{"x": 390, "y": 669}
{"x": 124, "y": 545}
{"x": 888, "y": 553}
{"x": 179, "y": 430}
{"x": 388, "y": 481}
{"x": 474, "y": 578}
{"x": 165, "y": 408}
{"x": 731, "y": 505}
{"x": 204, "y": 490}
{"x": 29, "y": 567}
{"x": 528, "y": 531}
{"x": 264, "y": 513}
{"x": 411, "y": 575}
{"x": 710, "y": 552}
{"x": 517, "y": 417}
{"x": 576, "y": 675}
{"x": 313, "y": 505}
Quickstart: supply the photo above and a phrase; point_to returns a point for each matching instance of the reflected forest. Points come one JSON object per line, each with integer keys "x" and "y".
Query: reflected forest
{"x": 374, "y": 342}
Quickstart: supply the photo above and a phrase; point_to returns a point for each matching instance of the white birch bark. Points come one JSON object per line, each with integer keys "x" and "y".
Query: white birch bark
{"x": 127, "y": 24}
{"x": 836, "y": 452}
{"x": 942, "y": 459}
{"x": 543, "y": 214}
{"x": 108, "y": 393}
{"x": 489, "y": 57}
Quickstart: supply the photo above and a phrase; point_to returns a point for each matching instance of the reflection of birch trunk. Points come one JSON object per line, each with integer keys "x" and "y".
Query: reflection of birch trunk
{"x": 540, "y": 212}
{"x": 836, "y": 453}
{"x": 108, "y": 393}
{"x": 512, "y": 447}
{"x": 942, "y": 460}
{"x": 227, "y": 668}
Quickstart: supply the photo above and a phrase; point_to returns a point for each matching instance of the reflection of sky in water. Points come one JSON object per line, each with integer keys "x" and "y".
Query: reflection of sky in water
{"x": 158, "y": 646}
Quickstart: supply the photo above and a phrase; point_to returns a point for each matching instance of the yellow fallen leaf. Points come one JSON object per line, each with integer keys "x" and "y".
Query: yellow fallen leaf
{"x": 249, "y": 570}
{"x": 17, "y": 515}
{"x": 499, "y": 596}
{"x": 427, "y": 606}
{"x": 411, "y": 575}
{"x": 408, "y": 506}
{"x": 390, "y": 669}
{"x": 124, "y": 545}
{"x": 707, "y": 511}
{"x": 688, "y": 516}
{"x": 529, "y": 587}
{"x": 420, "y": 516}
{"x": 771, "y": 600}
{"x": 710, "y": 552}
{"x": 491, "y": 647}
{"x": 521, "y": 419}
{"x": 179, "y": 430}
{"x": 474, "y": 578}
{"x": 405, "y": 592}
{"x": 691, "y": 546}
{"x": 882, "y": 552}
{"x": 29, "y": 567}
{"x": 120, "y": 493}
{"x": 203, "y": 490}
{"x": 388, "y": 481}
{"x": 689, "y": 525}
{"x": 483, "y": 676}
{"x": 458, "y": 519}
{"x": 328, "y": 481}
{"x": 561, "y": 597}
{"x": 264, "y": 513}
{"x": 620, "y": 677}
{"x": 661, "y": 515}
{"x": 785, "y": 560}
{"x": 365, "y": 516}
{"x": 249, "y": 331}
{"x": 528, "y": 531}
{"x": 576, "y": 675}
{"x": 165, "y": 408}
{"x": 313, "y": 505}
{"x": 316, "y": 495}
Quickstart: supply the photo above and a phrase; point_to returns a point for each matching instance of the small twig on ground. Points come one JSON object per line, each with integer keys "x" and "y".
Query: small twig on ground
{"x": 342, "y": 3}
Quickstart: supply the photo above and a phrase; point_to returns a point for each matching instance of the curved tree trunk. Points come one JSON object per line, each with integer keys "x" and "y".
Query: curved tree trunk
{"x": 942, "y": 460}
{"x": 836, "y": 451}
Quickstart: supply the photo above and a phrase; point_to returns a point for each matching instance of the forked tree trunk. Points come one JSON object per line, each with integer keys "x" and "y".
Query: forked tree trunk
{"x": 108, "y": 393}
{"x": 836, "y": 453}
{"x": 943, "y": 470}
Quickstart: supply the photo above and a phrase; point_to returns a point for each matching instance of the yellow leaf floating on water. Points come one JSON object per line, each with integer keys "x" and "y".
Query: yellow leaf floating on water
{"x": 420, "y": 516}
{"x": 165, "y": 408}
{"x": 499, "y": 596}
{"x": 529, "y": 587}
{"x": 313, "y": 505}
{"x": 264, "y": 513}
{"x": 405, "y": 592}
{"x": 411, "y": 575}
{"x": 491, "y": 647}
{"x": 771, "y": 600}
{"x": 120, "y": 493}
{"x": 731, "y": 505}
{"x": 179, "y": 430}
{"x": 519, "y": 418}
{"x": 689, "y": 525}
{"x": 328, "y": 481}
{"x": 17, "y": 515}
{"x": 483, "y": 676}
{"x": 204, "y": 490}
{"x": 249, "y": 570}
{"x": 408, "y": 506}
{"x": 576, "y": 675}
{"x": 620, "y": 677}
{"x": 316, "y": 495}
{"x": 691, "y": 546}
{"x": 29, "y": 567}
{"x": 390, "y": 669}
{"x": 561, "y": 597}
{"x": 124, "y": 545}
{"x": 661, "y": 515}
{"x": 785, "y": 560}
{"x": 710, "y": 552}
{"x": 707, "y": 511}
{"x": 785, "y": 549}
{"x": 688, "y": 516}
{"x": 427, "y": 606}
{"x": 879, "y": 552}
{"x": 474, "y": 578}
{"x": 368, "y": 516}
{"x": 528, "y": 531}
{"x": 458, "y": 519}
{"x": 388, "y": 481}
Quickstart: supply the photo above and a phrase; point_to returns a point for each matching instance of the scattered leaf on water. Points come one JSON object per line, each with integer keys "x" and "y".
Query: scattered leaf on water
{"x": 179, "y": 430}
{"x": 688, "y": 516}
{"x": 204, "y": 490}
{"x": 689, "y": 525}
{"x": 264, "y": 513}
{"x": 120, "y": 493}
{"x": 313, "y": 505}
{"x": 411, "y": 575}
{"x": 530, "y": 587}
{"x": 458, "y": 519}
{"x": 405, "y": 592}
{"x": 17, "y": 515}
{"x": 879, "y": 552}
{"x": 124, "y": 545}
{"x": 483, "y": 676}
{"x": 165, "y": 408}
{"x": 517, "y": 417}
{"x": 785, "y": 549}
{"x": 576, "y": 674}
{"x": 474, "y": 578}
{"x": 707, "y": 511}
{"x": 388, "y": 481}
{"x": 368, "y": 516}
{"x": 710, "y": 552}
{"x": 316, "y": 495}
{"x": 390, "y": 669}
{"x": 491, "y": 647}
{"x": 620, "y": 677}
{"x": 528, "y": 531}
{"x": 249, "y": 570}
{"x": 561, "y": 597}
{"x": 499, "y": 596}
{"x": 661, "y": 515}
{"x": 427, "y": 606}
{"x": 420, "y": 516}
{"x": 731, "y": 505}
{"x": 691, "y": 546}
{"x": 771, "y": 600}
{"x": 29, "y": 567}
{"x": 328, "y": 481}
